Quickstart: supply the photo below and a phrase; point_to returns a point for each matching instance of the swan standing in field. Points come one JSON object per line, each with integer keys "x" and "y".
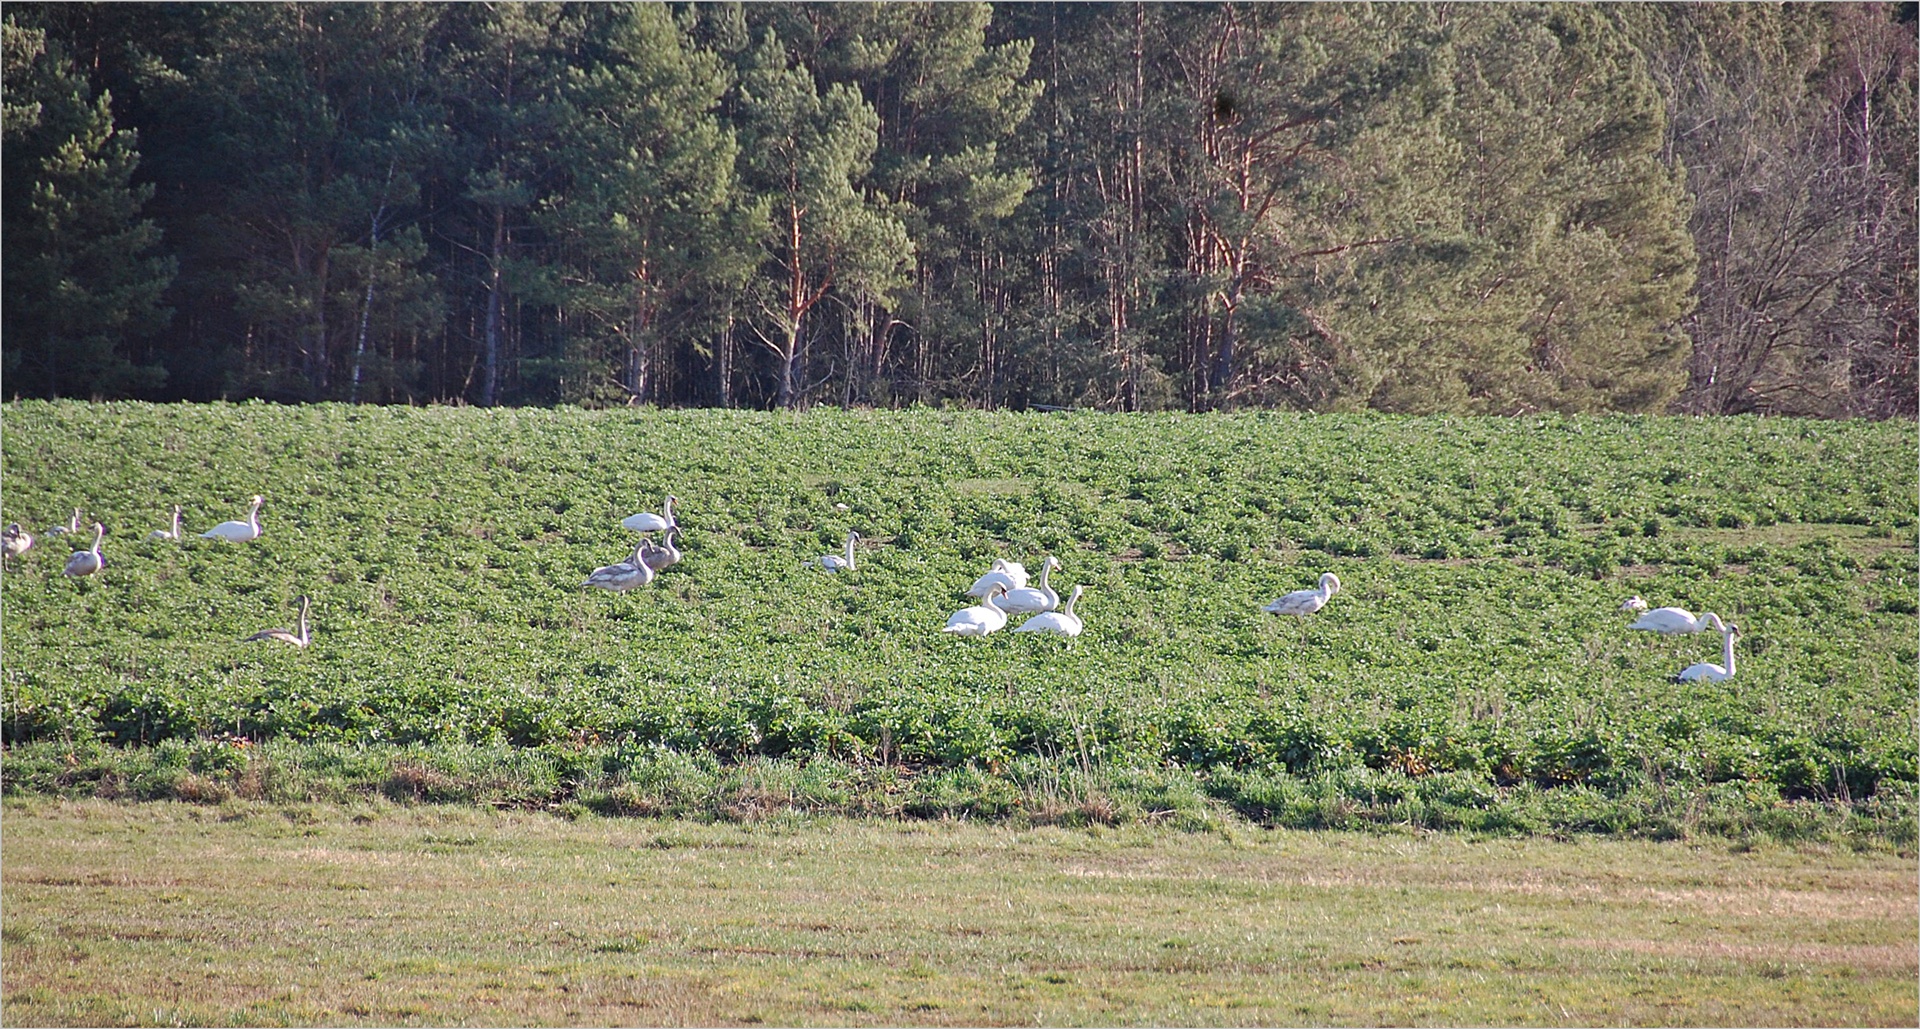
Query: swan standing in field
{"x": 1306, "y": 602}
{"x": 168, "y": 534}
{"x": 239, "y": 532}
{"x": 1028, "y": 600}
{"x": 647, "y": 521}
{"x": 298, "y": 639}
{"x": 1062, "y": 622}
{"x": 1006, "y": 574}
{"x": 18, "y": 540}
{"x": 658, "y": 558}
{"x": 625, "y": 575}
{"x": 1708, "y": 670}
{"x": 87, "y": 562}
{"x": 836, "y": 563}
{"x": 1676, "y": 621}
{"x": 980, "y": 619}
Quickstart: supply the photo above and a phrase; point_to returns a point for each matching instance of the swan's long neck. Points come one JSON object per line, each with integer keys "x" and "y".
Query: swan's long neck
{"x": 850, "y": 540}
{"x": 1071, "y": 601}
{"x": 99, "y": 533}
{"x": 1714, "y": 620}
{"x": 1046, "y": 569}
{"x": 303, "y": 619}
{"x": 1726, "y": 649}
{"x": 253, "y": 517}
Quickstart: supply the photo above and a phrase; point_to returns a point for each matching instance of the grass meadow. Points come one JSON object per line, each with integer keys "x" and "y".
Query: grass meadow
{"x": 380, "y": 914}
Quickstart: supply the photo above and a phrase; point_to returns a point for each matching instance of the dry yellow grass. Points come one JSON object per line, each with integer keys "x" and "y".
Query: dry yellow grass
{"x": 167, "y": 913}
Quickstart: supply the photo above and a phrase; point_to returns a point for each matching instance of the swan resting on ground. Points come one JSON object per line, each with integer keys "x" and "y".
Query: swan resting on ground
{"x": 1028, "y": 599}
{"x": 238, "y": 532}
{"x": 980, "y": 619}
{"x": 658, "y": 558}
{"x": 72, "y": 526}
{"x": 298, "y": 638}
{"x": 1006, "y": 574}
{"x": 624, "y": 576}
{"x": 1676, "y": 621}
{"x": 1306, "y": 602}
{"x": 171, "y": 533}
{"x": 1062, "y": 622}
{"x": 1708, "y": 670}
{"x": 836, "y": 563}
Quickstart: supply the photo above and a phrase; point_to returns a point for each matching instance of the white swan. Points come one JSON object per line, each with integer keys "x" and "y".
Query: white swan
{"x": 87, "y": 562}
{"x": 238, "y": 532}
{"x": 1005, "y": 574}
{"x": 647, "y": 521}
{"x": 836, "y": 563}
{"x": 1633, "y": 603}
{"x": 1675, "y": 621}
{"x": 1028, "y": 600}
{"x": 1709, "y": 671}
{"x": 980, "y": 619}
{"x": 18, "y": 540}
{"x": 298, "y": 639}
{"x": 1062, "y": 622}
{"x": 73, "y": 525}
{"x": 658, "y": 558}
{"x": 168, "y": 534}
{"x": 624, "y": 576}
{"x": 1306, "y": 602}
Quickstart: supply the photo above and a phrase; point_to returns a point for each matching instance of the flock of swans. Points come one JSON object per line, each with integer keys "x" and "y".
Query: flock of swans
{"x": 87, "y": 562}
{"x": 1002, "y": 591}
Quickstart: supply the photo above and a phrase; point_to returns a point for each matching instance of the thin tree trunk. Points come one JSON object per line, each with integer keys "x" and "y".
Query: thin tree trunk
{"x": 490, "y": 376}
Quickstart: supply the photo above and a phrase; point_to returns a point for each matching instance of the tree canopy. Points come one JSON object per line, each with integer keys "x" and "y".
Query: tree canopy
{"x": 1429, "y": 207}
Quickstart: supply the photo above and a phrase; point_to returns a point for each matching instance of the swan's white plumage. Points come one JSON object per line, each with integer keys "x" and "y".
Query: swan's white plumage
{"x": 838, "y": 563}
{"x": 980, "y": 619}
{"x": 1008, "y": 575}
{"x": 1306, "y": 602}
{"x": 172, "y": 532}
{"x": 1062, "y": 622}
{"x": 1708, "y": 670}
{"x": 298, "y": 638}
{"x": 1034, "y": 600}
{"x": 647, "y": 521}
{"x": 87, "y": 562}
{"x": 1676, "y": 621}
{"x": 238, "y": 532}
{"x": 1633, "y": 603}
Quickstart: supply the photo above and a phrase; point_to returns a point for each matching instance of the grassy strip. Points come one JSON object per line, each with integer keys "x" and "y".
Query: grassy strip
{"x": 372, "y": 913}
{"x": 1024, "y": 791}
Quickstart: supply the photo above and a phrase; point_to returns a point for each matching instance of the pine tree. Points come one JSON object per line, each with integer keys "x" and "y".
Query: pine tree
{"x": 805, "y": 152}
{"x": 81, "y": 278}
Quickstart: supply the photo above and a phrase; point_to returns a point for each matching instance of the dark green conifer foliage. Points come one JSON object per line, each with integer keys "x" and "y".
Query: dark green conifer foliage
{"x": 82, "y": 280}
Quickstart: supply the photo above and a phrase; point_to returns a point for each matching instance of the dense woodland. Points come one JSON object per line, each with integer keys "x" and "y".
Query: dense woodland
{"x": 1501, "y": 208}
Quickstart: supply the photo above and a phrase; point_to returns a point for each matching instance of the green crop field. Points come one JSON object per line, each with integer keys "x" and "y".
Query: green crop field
{"x": 1474, "y": 672}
